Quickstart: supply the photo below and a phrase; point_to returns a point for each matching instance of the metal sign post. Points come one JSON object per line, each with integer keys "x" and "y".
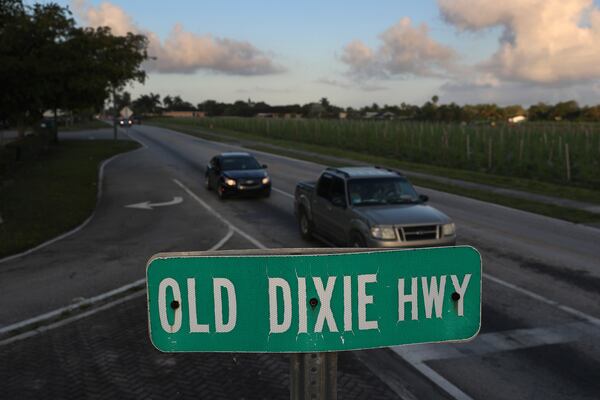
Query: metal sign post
{"x": 313, "y": 376}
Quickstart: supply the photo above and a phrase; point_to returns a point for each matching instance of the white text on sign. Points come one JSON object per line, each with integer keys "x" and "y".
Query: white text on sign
{"x": 356, "y": 295}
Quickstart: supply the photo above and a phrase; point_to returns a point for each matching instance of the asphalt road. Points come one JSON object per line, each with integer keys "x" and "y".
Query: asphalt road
{"x": 541, "y": 288}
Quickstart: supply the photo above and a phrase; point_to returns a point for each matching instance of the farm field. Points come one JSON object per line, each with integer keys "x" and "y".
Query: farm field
{"x": 566, "y": 153}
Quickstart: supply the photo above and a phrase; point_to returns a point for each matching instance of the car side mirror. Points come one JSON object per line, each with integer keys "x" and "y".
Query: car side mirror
{"x": 265, "y": 166}
{"x": 424, "y": 198}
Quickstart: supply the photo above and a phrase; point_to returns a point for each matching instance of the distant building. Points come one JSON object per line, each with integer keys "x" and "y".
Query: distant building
{"x": 516, "y": 119}
{"x": 343, "y": 115}
{"x": 184, "y": 114}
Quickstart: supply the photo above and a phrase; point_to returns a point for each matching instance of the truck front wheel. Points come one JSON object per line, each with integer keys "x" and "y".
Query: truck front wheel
{"x": 357, "y": 240}
{"x": 305, "y": 225}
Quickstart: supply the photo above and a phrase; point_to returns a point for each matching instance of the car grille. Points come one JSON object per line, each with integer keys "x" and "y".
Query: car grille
{"x": 415, "y": 233}
{"x": 250, "y": 183}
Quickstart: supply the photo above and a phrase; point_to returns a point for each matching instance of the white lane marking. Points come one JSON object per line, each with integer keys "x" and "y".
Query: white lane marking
{"x": 224, "y": 240}
{"x": 74, "y": 318}
{"x": 139, "y": 285}
{"x": 246, "y": 236}
{"x": 283, "y": 193}
{"x": 495, "y": 342}
{"x": 84, "y": 223}
{"x": 440, "y": 381}
{"x": 567, "y": 309}
{"x": 223, "y": 144}
{"x": 146, "y": 205}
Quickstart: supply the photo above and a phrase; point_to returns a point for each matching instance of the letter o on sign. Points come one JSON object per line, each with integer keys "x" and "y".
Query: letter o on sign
{"x": 162, "y": 305}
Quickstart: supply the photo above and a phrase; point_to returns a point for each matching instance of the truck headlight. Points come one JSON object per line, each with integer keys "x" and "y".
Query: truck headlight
{"x": 448, "y": 229}
{"x": 230, "y": 182}
{"x": 266, "y": 180}
{"x": 383, "y": 232}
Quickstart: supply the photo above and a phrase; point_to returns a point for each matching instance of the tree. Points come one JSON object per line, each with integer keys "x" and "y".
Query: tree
{"x": 48, "y": 62}
{"x": 568, "y": 110}
{"x": 146, "y": 104}
{"x": 539, "y": 111}
{"x": 29, "y": 36}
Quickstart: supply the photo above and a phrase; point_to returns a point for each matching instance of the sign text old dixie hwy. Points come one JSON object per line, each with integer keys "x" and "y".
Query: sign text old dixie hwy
{"x": 313, "y": 302}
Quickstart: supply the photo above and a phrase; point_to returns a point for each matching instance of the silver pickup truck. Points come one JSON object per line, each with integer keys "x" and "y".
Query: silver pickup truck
{"x": 369, "y": 207}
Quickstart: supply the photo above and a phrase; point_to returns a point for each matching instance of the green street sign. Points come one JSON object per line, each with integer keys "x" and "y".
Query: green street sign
{"x": 312, "y": 300}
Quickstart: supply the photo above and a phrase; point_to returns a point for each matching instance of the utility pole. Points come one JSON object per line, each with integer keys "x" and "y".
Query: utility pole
{"x": 115, "y": 113}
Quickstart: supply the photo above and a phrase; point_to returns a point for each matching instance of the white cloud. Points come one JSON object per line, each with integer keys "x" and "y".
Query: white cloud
{"x": 548, "y": 42}
{"x": 182, "y": 51}
{"x": 404, "y": 51}
{"x": 347, "y": 85}
{"x": 526, "y": 93}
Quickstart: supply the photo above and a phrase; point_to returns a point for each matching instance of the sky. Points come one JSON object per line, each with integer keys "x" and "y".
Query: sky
{"x": 358, "y": 53}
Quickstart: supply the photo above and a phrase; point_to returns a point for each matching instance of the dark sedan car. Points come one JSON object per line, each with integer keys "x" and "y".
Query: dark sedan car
{"x": 237, "y": 173}
{"x": 125, "y": 122}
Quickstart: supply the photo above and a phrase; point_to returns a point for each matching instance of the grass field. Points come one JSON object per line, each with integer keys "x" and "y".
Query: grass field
{"x": 565, "y": 153}
{"x": 48, "y": 196}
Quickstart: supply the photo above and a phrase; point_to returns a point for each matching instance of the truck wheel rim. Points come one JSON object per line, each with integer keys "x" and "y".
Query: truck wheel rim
{"x": 304, "y": 224}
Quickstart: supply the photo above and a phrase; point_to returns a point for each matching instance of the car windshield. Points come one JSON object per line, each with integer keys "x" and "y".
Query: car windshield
{"x": 381, "y": 191}
{"x": 239, "y": 163}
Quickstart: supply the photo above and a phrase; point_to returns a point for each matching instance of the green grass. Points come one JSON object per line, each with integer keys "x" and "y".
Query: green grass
{"x": 84, "y": 125}
{"x": 48, "y": 196}
{"x": 558, "y": 153}
{"x": 293, "y": 149}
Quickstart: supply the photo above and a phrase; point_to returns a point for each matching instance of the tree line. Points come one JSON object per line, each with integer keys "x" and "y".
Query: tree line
{"x": 50, "y": 63}
{"x": 431, "y": 110}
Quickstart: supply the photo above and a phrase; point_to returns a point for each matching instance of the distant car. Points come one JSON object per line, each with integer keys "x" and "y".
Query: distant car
{"x": 369, "y": 207}
{"x": 126, "y": 122}
{"x": 136, "y": 119}
{"x": 237, "y": 173}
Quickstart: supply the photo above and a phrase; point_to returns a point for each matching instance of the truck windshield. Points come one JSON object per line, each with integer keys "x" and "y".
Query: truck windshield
{"x": 381, "y": 191}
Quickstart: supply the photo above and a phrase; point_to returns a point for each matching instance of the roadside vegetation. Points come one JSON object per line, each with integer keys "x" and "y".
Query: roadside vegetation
{"x": 295, "y": 147}
{"x": 565, "y": 153}
{"x": 41, "y": 199}
{"x": 85, "y": 125}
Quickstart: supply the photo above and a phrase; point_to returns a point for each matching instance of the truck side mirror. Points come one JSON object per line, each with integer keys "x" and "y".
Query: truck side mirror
{"x": 338, "y": 202}
{"x": 424, "y": 198}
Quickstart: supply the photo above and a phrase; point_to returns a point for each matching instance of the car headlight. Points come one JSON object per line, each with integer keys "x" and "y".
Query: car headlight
{"x": 383, "y": 232}
{"x": 448, "y": 229}
{"x": 230, "y": 182}
{"x": 266, "y": 180}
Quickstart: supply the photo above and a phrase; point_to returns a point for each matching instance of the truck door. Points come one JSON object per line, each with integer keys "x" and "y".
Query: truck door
{"x": 322, "y": 204}
{"x": 338, "y": 219}
{"x": 329, "y": 208}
